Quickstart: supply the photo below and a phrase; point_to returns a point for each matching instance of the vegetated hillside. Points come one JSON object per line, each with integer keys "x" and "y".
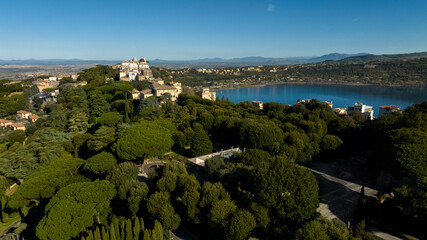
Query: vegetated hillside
{"x": 396, "y": 72}
{"x": 384, "y": 57}
{"x": 79, "y": 165}
{"x": 407, "y": 72}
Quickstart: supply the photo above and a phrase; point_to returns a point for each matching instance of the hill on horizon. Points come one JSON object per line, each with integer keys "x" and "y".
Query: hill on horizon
{"x": 383, "y": 57}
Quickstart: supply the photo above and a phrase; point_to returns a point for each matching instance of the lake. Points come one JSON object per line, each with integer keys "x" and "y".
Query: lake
{"x": 340, "y": 95}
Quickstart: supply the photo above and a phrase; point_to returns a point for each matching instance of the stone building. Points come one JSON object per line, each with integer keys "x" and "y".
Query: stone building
{"x": 134, "y": 70}
{"x": 206, "y": 94}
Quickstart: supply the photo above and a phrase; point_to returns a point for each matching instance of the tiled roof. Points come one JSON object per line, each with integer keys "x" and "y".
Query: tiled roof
{"x": 392, "y": 107}
{"x": 5, "y": 121}
{"x": 34, "y": 117}
{"x": 23, "y": 112}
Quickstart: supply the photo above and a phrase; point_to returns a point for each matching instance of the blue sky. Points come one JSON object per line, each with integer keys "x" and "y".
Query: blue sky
{"x": 190, "y": 29}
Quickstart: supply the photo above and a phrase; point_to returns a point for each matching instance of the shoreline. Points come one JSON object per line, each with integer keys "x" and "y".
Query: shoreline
{"x": 317, "y": 83}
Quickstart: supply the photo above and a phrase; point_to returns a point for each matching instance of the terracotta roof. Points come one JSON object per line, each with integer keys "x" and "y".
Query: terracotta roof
{"x": 22, "y": 111}
{"x": 146, "y": 91}
{"x": 164, "y": 87}
{"x": 392, "y": 107}
{"x": 18, "y": 124}
{"x": 34, "y": 117}
{"x": 5, "y": 121}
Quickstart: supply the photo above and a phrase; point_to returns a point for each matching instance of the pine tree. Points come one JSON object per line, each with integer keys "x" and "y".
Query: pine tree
{"x": 136, "y": 228}
{"x": 97, "y": 234}
{"x": 113, "y": 232}
{"x": 128, "y": 229}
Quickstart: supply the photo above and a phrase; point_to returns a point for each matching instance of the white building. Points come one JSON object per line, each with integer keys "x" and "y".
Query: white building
{"x": 134, "y": 70}
{"x": 365, "y": 109}
{"x": 206, "y": 94}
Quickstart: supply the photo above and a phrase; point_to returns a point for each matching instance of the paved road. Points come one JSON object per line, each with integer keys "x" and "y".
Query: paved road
{"x": 383, "y": 235}
{"x": 338, "y": 197}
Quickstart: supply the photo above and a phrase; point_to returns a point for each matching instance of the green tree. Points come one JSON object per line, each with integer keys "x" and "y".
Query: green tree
{"x": 104, "y": 234}
{"x": 261, "y": 215}
{"x": 78, "y": 123}
{"x": 261, "y": 135}
{"x": 102, "y": 137}
{"x": 97, "y": 234}
{"x": 136, "y": 228}
{"x": 241, "y": 224}
{"x": 213, "y": 165}
{"x": 200, "y": 143}
{"x": 79, "y": 140}
{"x": 157, "y": 233}
{"x": 323, "y": 229}
{"x": 45, "y": 183}
{"x": 113, "y": 232}
{"x": 100, "y": 164}
{"x": 330, "y": 142}
{"x": 110, "y": 119}
{"x": 160, "y": 208}
{"x": 57, "y": 119}
{"x": 123, "y": 172}
{"x": 75, "y": 208}
{"x": 289, "y": 190}
{"x": 143, "y": 140}
{"x": 133, "y": 192}
{"x": 128, "y": 233}
{"x": 221, "y": 209}
{"x": 18, "y": 162}
{"x": 98, "y": 105}
{"x": 16, "y": 136}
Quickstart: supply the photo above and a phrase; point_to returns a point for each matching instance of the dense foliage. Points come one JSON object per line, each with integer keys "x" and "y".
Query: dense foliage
{"x": 77, "y": 174}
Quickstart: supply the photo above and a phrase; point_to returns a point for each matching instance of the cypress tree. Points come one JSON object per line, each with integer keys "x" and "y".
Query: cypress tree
{"x": 122, "y": 229}
{"x": 147, "y": 234}
{"x": 116, "y": 228}
{"x": 157, "y": 231}
{"x": 200, "y": 144}
{"x": 104, "y": 234}
{"x": 141, "y": 221}
{"x": 113, "y": 233}
{"x": 97, "y": 234}
{"x": 129, "y": 234}
{"x": 90, "y": 235}
{"x": 136, "y": 228}
{"x": 82, "y": 238}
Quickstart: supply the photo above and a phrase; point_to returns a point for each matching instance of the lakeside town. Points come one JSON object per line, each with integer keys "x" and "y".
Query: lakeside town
{"x": 139, "y": 70}
{"x": 138, "y": 127}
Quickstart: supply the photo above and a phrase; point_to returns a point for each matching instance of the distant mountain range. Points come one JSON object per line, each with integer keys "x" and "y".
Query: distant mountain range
{"x": 231, "y": 62}
{"x": 247, "y": 61}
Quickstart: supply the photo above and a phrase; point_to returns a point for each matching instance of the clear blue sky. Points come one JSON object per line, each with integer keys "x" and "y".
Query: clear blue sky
{"x": 189, "y": 29}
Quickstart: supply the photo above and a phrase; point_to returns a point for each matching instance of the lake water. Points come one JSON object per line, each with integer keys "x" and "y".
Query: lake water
{"x": 340, "y": 95}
